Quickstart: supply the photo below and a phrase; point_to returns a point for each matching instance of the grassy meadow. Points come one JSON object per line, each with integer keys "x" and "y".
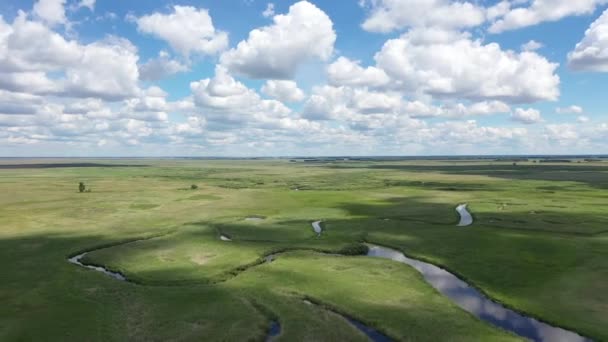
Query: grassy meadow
{"x": 539, "y": 244}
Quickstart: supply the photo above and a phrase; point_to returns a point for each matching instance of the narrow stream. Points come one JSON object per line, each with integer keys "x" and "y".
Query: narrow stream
{"x": 317, "y": 227}
{"x": 461, "y": 293}
{"x": 473, "y": 301}
{"x": 370, "y": 332}
{"x": 255, "y": 218}
{"x": 76, "y": 260}
{"x": 465, "y": 217}
{"x": 274, "y": 331}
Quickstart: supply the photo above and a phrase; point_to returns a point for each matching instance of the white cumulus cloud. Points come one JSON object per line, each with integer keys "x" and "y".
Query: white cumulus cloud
{"x": 569, "y": 110}
{"x": 51, "y": 11}
{"x": 538, "y": 11}
{"x": 35, "y": 59}
{"x": 465, "y": 68}
{"x": 302, "y": 35}
{"x": 187, "y": 30}
{"x": 390, "y": 15}
{"x": 527, "y": 116}
{"x": 285, "y": 91}
{"x": 228, "y": 102}
{"x": 160, "y": 67}
{"x": 269, "y": 11}
{"x": 532, "y": 45}
{"x": 350, "y": 73}
{"x": 591, "y": 54}
{"x": 90, "y": 4}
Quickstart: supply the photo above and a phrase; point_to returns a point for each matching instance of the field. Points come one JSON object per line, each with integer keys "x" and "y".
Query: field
{"x": 539, "y": 244}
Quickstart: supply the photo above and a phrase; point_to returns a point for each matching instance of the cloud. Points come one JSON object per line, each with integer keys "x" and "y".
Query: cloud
{"x": 18, "y": 103}
{"x": 229, "y": 103}
{"x": 90, "y": 122}
{"x": 51, "y": 12}
{"x": 84, "y": 106}
{"x": 561, "y": 133}
{"x": 344, "y": 103}
{"x": 453, "y": 133}
{"x": 152, "y": 99}
{"x": 269, "y": 11}
{"x": 90, "y": 4}
{"x": 160, "y": 67}
{"x": 399, "y": 134}
{"x": 37, "y": 60}
{"x": 114, "y": 78}
{"x": 454, "y": 66}
{"x": 350, "y": 73}
{"x": 418, "y": 109}
{"x": 193, "y": 127}
{"x": 152, "y": 105}
{"x": 569, "y": 110}
{"x": 390, "y": 15}
{"x": 347, "y": 103}
{"x": 31, "y": 46}
{"x": 373, "y": 115}
{"x": 29, "y": 82}
{"x": 526, "y": 116}
{"x": 582, "y": 119}
{"x": 539, "y": 11}
{"x": 499, "y": 9}
{"x": 591, "y": 53}
{"x": 532, "y": 45}
{"x": 302, "y": 35}
{"x": 187, "y": 30}
{"x": 285, "y": 91}
{"x": 418, "y": 96}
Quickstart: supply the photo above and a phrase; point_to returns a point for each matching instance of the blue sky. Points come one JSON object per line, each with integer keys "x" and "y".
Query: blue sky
{"x": 318, "y": 77}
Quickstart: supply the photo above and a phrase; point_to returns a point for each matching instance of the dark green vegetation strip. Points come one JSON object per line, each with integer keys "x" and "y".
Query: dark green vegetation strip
{"x": 538, "y": 245}
{"x": 61, "y": 165}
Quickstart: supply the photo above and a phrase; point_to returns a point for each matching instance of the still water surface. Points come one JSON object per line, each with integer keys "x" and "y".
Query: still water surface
{"x": 473, "y": 301}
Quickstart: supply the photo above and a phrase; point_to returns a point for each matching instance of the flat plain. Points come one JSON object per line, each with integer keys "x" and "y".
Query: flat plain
{"x": 538, "y": 244}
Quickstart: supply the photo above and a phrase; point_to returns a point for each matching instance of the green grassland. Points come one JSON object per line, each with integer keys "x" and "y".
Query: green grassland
{"x": 539, "y": 244}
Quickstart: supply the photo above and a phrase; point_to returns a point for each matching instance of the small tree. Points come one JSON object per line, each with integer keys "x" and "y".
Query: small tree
{"x": 81, "y": 187}
{"x": 193, "y": 187}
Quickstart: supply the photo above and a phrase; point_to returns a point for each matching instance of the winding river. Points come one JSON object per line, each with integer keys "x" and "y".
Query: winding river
{"x": 316, "y": 226}
{"x": 76, "y": 260}
{"x": 473, "y": 301}
{"x": 274, "y": 331}
{"x": 462, "y": 294}
{"x": 465, "y": 216}
{"x": 255, "y": 218}
{"x": 370, "y": 332}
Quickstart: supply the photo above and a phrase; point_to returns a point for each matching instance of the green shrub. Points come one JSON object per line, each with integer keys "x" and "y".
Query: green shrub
{"x": 193, "y": 187}
{"x": 354, "y": 249}
{"x": 81, "y": 187}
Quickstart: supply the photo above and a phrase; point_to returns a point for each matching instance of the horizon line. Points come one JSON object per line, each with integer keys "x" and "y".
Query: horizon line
{"x": 575, "y": 155}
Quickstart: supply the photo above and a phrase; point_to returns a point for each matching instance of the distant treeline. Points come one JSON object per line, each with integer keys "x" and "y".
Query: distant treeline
{"x": 555, "y": 161}
{"x": 512, "y": 159}
{"x": 59, "y": 165}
